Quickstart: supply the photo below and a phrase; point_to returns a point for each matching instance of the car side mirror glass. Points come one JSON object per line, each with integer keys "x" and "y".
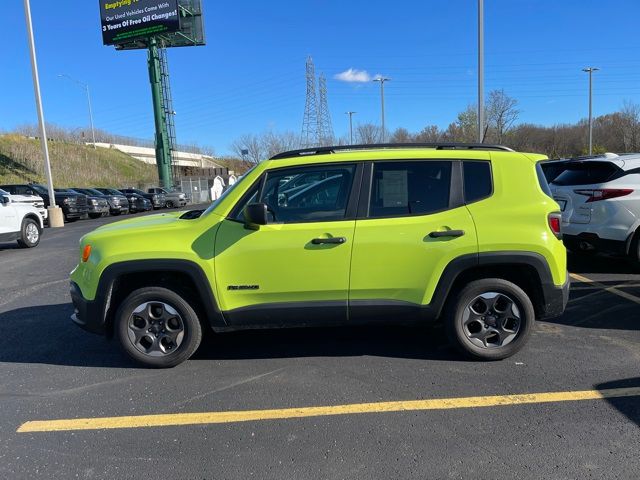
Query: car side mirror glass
{"x": 255, "y": 214}
{"x": 5, "y": 200}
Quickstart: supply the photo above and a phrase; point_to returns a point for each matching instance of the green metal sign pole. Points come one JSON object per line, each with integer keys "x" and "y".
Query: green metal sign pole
{"x": 163, "y": 152}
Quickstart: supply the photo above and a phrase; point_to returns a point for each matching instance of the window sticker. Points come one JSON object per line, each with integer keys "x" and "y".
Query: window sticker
{"x": 394, "y": 188}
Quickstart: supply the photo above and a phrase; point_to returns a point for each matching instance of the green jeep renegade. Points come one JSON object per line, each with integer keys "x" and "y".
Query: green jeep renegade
{"x": 464, "y": 233}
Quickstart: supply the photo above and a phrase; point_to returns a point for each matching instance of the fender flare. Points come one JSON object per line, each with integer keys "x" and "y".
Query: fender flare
{"x": 113, "y": 272}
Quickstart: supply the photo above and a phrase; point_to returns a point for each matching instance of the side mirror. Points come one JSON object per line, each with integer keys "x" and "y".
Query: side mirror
{"x": 5, "y": 200}
{"x": 255, "y": 214}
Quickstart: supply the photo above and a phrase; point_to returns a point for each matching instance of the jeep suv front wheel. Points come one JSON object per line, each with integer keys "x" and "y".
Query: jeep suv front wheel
{"x": 490, "y": 319}
{"x": 157, "y": 327}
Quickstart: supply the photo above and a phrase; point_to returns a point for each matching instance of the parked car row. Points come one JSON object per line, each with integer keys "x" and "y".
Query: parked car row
{"x": 77, "y": 203}
{"x": 599, "y": 197}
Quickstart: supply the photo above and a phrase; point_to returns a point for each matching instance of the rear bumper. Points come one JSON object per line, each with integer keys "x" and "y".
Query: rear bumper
{"x": 88, "y": 314}
{"x": 587, "y": 241}
{"x": 555, "y": 298}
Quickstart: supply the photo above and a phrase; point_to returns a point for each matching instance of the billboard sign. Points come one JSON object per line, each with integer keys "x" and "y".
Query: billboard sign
{"x": 127, "y": 20}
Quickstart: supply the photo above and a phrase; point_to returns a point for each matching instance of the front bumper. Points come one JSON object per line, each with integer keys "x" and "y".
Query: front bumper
{"x": 555, "y": 299}
{"x": 98, "y": 209}
{"x": 113, "y": 208}
{"x": 73, "y": 211}
{"x": 87, "y": 314}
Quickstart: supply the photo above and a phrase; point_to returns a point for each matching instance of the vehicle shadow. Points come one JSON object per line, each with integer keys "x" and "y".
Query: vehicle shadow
{"x": 628, "y": 406}
{"x": 412, "y": 342}
{"x": 597, "y": 308}
{"x": 8, "y": 246}
{"x": 581, "y": 263}
{"x": 45, "y": 334}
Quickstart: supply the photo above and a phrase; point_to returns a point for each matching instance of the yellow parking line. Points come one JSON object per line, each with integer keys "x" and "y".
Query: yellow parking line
{"x": 203, "y": 418}
{"x": 613, "y": 290}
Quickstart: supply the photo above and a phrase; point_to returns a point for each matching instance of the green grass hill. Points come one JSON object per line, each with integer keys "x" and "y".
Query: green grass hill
{"x": 72, "y": 164}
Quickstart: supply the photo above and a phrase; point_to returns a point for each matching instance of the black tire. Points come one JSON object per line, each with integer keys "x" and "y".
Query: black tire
{"x": 29, "y": 233}
{"x": 460, "y": 311}
{"x": 634, "y": 248}
{"x": 95, "y": 215}
{"x": 169, "y": 204}
{"x": 124, "y": 323}
{"x": 72, "y": 219}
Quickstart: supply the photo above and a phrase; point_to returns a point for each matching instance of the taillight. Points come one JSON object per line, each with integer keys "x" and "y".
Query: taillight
{"x": 555, "y": 222}
{"x": 603, "y": 193}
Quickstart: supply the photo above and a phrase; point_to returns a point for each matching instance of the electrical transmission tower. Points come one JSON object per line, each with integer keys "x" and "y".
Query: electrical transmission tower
{"x": 325, "y": 129}
{"x": 310, "y": 134}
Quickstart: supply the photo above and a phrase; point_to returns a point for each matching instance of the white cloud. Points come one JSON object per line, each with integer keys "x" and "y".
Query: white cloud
{"x": 353, "y": 76}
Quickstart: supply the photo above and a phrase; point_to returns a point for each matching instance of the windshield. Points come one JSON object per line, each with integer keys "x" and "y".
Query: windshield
{"x": 39, "y": 188}
{"x": 586, "y": 173}
{"x": 215, "y": 203}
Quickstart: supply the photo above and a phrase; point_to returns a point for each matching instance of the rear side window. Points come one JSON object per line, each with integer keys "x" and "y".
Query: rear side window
{"x": 477, "y": 181}
{"x": 586, "y": 173}
{"x": 542, "y": 180}
{"x": 409, "y": 188}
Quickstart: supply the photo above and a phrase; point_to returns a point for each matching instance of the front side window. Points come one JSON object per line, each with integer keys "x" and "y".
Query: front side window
{"x": 307, "y": 194}
{"x": 409, "y": 188}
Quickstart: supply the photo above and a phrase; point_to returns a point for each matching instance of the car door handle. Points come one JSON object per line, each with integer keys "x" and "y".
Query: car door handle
{"x": 332, "y": 240}
{"x": 447, "y": 233}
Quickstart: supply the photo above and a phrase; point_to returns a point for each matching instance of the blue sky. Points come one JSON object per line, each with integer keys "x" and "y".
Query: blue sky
{"x": 250, "y": 76}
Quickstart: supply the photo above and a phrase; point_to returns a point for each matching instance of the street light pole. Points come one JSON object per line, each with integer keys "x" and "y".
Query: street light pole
{"x": 382, "y": 80}
{"x": 350, "y": 126}
{"x": 480, "y": 71}
{"x": 590, "y": 71}
{"x": 55, "y": 213}
{"x": 86, "y": 89}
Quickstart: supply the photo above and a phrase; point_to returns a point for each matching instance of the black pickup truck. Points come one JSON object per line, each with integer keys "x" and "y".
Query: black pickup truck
{"x": 74, "y": 205}
{"x": 158, "y": 200}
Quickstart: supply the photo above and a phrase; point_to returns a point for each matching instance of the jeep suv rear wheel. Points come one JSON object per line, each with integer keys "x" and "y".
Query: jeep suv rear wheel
{"x": 490, "y": 319}
{"x": 157, "y": 327}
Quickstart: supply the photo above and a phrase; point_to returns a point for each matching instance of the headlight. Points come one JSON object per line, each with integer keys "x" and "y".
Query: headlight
{"x": 94, "y": 201}
{"x": 65, "y": 201}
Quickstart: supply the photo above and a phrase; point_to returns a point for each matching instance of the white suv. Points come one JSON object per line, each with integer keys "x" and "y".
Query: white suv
{"x": 600, "y": 203}
{"x": 19, "y": 221}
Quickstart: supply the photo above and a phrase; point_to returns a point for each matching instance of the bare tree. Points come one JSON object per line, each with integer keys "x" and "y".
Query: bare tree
{"x": 273, "y": 143}
{"x": 401, "y": 135}
{"x": 368, "y": 133}
{"x": 501, "y": 114}
{"x": 630, "y": 126}
{"x": 465, "y": 128}
{"x": 252, "y": 144}
{"x": 429, "y": 134}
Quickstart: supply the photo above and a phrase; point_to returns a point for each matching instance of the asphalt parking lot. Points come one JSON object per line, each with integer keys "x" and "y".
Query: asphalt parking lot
{"x": 396, "y": 402}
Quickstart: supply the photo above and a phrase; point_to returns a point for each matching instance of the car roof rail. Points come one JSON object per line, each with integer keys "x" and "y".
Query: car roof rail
{"x": 373, "y": 146}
